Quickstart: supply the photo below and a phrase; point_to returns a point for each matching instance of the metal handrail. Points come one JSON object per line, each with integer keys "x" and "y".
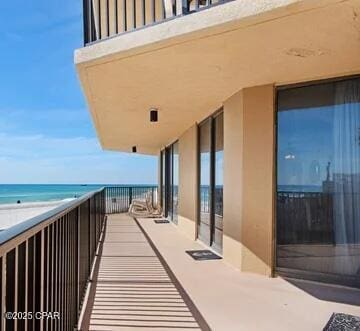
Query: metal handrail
{"x": 45, "y": 263}
{"x": 103, "y": 19}
{"x": 119, "y": 198}
{"x": 43, "y": 219}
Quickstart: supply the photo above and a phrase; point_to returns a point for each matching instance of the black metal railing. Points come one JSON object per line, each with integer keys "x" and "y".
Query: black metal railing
{"x": 106, "y": 18}
{"x": 45, "y": 264}
{"x": 305, "y": 217}
{"x": 119, "y": 198}
{"x": 205, "y": 201}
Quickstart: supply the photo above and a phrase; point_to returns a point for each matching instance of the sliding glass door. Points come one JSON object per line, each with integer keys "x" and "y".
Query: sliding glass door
{"x": 204, "y": 224}
{"x": 210, "y": 223}
{"x": 318, "y": 181}
{"x": 163, "y": 180}
{"x": 173, "y": 199}
{"x": 170, "y": 181}
{"x": 175, "y": 182}
{"x": 218, "y": 180}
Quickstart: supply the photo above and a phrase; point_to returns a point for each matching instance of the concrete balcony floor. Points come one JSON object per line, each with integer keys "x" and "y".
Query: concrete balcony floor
{"x": 145, "y": 280}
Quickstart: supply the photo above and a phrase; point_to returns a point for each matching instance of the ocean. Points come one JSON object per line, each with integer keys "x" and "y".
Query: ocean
{"x": 12, "y": 193}
{"x": 299, "y": 188}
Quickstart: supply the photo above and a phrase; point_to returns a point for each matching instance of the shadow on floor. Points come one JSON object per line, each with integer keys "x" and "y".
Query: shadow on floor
{"x": 328, "y": 292}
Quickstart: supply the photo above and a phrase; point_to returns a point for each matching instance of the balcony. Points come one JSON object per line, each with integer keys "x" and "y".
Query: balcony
{"x": 99, "y": 269}
{"x": 105, "y": 19}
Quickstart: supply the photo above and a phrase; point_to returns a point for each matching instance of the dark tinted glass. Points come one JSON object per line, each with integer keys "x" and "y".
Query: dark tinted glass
{"x": 205, "y": 152}
{"x": 218, "y": 189}
{"x": 175, "y": 181}
{"x": 163, "y": 169}
{"x": 318, "y": 180}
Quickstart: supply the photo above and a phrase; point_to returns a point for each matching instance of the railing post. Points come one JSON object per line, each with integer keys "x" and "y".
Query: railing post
{"x": 99, "y": 19}
{"x": 86, "y": 20}
{"x": 130, "y": 195}
{"x": 107, "y": 19}
{"x": 143, "y": 12}
{"x": 125, "y": 16}
{"x": 185, "y": 7}
{"x": 77, "y": 301}
{"x": 152, "y": 196}
{"x": 42, "y": 269}
{"x": 3, "y": 292}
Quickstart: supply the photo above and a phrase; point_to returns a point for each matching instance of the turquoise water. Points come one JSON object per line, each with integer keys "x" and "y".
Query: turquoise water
{"x": 35, "y": 193}
{"x": 11, "y": 193}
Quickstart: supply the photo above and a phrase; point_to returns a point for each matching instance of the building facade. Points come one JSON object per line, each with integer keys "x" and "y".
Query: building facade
{"x": 258, "y": 122}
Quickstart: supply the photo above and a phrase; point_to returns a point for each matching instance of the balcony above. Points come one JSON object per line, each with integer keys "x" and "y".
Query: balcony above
{"x": 186, "y": 66}
{"x": 107, "y": 18}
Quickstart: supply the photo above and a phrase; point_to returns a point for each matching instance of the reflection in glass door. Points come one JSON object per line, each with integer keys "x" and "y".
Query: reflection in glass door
{"x": 175, "y": 182}
{"x": 218, "y": 181}
{"x": 163, "y": 181}
{"x": 210, "y": 225}
{"x": 170, "y": 181}
{"x": 318, "y": 182}
{"x": 204, "y": 224}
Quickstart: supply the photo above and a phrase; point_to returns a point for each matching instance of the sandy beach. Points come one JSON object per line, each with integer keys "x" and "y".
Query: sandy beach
{"x": 11, "y": 214}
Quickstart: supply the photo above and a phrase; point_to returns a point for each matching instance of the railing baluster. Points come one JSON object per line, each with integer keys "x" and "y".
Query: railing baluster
{"x": 74, "y": 266}
{"x": 134, "y": 14}
{"x": 144, "y": 12}
{"x": 57, "y": 271}
{"x": 2, "y": 303}
{"x": 153, "y": 10}
{"x": 67, "y": 325}
{"x": 107, "y": 19}
{"x": 91, "y": 21}
{"x": 62, "y": 274}
{"x": 116, "y": 17}
{"x": 42, "y": 270}
{"x": 52, "y": 277}
{"x": 124, "y": 15}
{"x": 16, "y": 283}
{"x": 99, "y": 20}
{"x": 86, "y": 21}
{"x": 77, "y": 259}
{"x": 48, "y": 268}
{"x": 3, "y": 291}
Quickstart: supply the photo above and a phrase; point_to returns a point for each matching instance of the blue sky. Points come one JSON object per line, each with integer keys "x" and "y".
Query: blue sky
{"x": 46, "y": 133}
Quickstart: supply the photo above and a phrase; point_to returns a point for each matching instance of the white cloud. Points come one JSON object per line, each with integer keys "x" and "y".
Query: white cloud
{"x": 41, "y": 159}
{"x": 34, "y": 146}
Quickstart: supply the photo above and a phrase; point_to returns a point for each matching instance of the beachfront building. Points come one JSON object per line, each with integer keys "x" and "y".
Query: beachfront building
{"x": 253, "y": 109}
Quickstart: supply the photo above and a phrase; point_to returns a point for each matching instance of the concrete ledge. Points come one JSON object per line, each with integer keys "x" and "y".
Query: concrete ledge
{"x": 218, "y": 19}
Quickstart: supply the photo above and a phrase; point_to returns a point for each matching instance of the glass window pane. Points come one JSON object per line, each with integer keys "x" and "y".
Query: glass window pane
{"x": 163, "y": 191}
{"x": 218, "y": 189}
{"x": 205, "y": 149}
{"x": 318, "y": 179}
{"x": 219, "y": 159}
{"x": 175, "y": 181}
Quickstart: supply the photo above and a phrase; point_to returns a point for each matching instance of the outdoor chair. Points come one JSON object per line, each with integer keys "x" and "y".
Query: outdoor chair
{"x": 144, "y": 208}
